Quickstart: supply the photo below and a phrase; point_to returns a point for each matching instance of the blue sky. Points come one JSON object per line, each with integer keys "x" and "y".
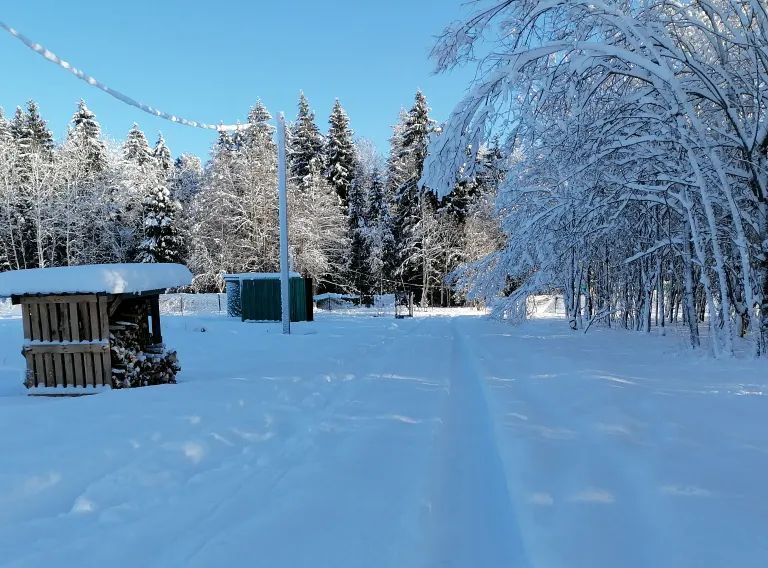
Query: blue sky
{"x": 210, "y": 61}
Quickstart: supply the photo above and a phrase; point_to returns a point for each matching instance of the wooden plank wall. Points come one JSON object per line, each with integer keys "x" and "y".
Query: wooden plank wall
{"x": 66, "y": 341}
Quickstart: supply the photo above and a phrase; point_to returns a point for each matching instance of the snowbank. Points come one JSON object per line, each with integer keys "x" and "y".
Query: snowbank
{"x": 94, "y": 278}
{"x": 334, "y": 296}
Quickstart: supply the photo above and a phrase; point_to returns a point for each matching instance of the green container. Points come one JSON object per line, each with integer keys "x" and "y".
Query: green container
{"x": 260, "y": 299}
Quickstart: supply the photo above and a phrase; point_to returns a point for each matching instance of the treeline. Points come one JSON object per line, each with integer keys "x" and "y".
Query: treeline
{"x": 640, "y": 141}
{"x": 85, "y": 201}
{"x": 359, "y": 223}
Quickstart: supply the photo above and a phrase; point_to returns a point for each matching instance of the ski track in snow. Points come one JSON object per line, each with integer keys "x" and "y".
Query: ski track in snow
{"x": 453, "y": 442}
{"x": 472, "y": 518}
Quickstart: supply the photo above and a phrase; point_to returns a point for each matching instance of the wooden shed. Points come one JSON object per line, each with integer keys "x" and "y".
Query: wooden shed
{"x": 94, "y": 326}
{"x": 256, "y": 296}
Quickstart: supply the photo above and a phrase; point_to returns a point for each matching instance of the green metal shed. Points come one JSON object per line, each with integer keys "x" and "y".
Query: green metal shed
{"x": 256, "y": 297}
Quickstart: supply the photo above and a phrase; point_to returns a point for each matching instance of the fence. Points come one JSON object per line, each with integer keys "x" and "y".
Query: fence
{"x": 186, "y": 304}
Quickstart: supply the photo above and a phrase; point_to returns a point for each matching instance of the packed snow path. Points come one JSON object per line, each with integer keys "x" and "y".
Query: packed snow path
{"x": 360, "y": 441}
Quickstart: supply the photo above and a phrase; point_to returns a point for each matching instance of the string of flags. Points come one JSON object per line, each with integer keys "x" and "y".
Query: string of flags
{"x": 80, "y": 74}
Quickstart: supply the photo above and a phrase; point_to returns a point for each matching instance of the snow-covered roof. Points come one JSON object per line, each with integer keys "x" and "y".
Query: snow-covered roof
{"x": 334, "y": 296}
{"x": 94, "y": 278}
{"x": 258, "y": 276}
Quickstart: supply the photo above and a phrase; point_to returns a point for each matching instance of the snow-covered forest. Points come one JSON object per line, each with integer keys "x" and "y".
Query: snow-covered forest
{"x": 638, "y": 144}
{"x": 359, "y": 223}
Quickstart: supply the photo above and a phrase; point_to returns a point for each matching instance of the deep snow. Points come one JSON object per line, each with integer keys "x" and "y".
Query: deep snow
{"x": 369, "y": 441}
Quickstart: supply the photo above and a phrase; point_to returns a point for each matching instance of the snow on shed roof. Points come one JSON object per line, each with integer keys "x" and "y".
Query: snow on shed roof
{"x": 334, "y": 296}
{"x": 258, "y": 276}
{"x": 94, "y": 278}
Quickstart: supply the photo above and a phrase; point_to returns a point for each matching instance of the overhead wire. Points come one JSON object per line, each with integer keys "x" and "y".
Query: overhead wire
{"x": 80, "y": 74}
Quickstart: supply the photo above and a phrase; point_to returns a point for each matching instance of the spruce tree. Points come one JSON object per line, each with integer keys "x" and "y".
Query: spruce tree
{"x": 238, "y": 137}
{"x": 380, "y": 241}
{"x": 41, "y": 139}
{"x": 359, "y": 274}
{"x": 18, "y": 127}
{"x": 162, "y": 157}
{"x": 486, "y": 174}
{"x": 412, "y": 203}
{"x": 5, "y": 129}
{"x": 85, "y": 134}
{"x": 340, "y": 153}
{"x": 162, "y": 242}
{"x": 31, "y": 134}
{"x": 417, "y": 129}
{"x": 136, "y": 148}
{"x": 259, "y": 132}
{"x": 305, "y": 149}
{"x": 224, "y": 142}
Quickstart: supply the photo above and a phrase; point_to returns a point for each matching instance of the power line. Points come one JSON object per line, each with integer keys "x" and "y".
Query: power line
{"x": 53, "y": 58}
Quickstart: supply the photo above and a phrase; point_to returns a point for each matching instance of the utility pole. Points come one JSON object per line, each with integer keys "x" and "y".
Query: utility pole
{"x": 285, "y": 284}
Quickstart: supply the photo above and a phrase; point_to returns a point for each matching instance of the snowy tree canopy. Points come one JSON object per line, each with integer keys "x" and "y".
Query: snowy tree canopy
{"x": 640, "y": 133}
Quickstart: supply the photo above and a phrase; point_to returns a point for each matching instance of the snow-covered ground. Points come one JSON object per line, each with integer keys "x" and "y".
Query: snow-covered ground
{"x": 369, "y": 441}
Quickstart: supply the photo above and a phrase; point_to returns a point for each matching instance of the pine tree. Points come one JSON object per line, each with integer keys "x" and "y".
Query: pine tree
{"x": 32, "y": 136}
{"x": 340, "y": 153}
{"x": 379, "y": 239}
{"x": 224, "y": 142}
{"x": 85, "y": 134}
{"x": 162, "y": 156}
{"x": 259, "y": 132}
{"x": 238, "y": 137}
{"x": 359, "y": 275}
{"x": 412, "y": 203}
{"x": 18, "y": 126}
{"x": 41, "y": 139}
{"x": 417, "y": 129}
{"x": 136, "y": 148}
{"x": 161, "y": 236}
{"x": 5, "y": 128}
{"x": 486, "y": 175}
{"x": 305, "y": 149}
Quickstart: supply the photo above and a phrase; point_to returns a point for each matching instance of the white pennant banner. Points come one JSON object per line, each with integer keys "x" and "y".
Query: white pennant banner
{"x": 53, "y": 58}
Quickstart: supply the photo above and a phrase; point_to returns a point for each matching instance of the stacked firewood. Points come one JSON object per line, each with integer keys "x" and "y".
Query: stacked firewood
{"x": 135, "y": 361}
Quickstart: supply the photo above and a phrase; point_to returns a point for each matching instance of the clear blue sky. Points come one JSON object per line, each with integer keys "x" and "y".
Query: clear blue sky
{"x": 210, "y": 61}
